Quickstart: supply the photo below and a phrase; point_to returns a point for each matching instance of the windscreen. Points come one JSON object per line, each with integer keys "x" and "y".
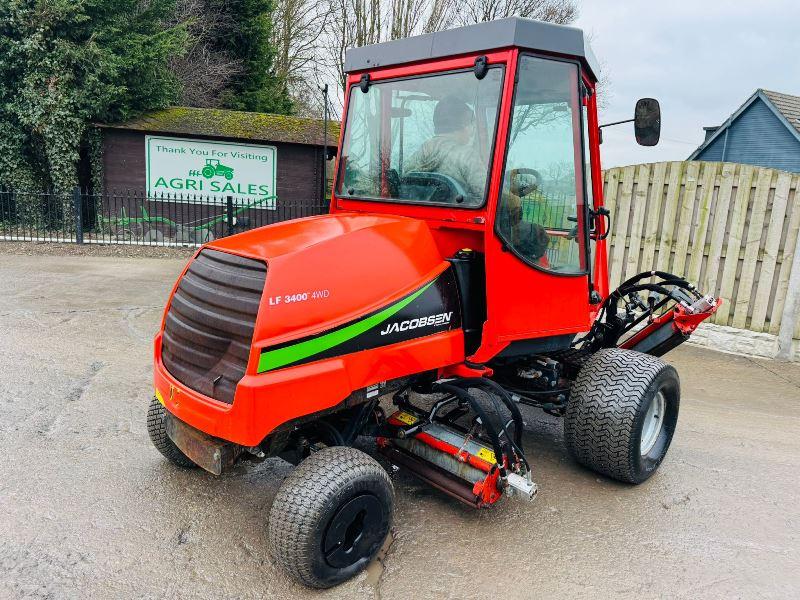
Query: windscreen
{"x": 421, "y": 140}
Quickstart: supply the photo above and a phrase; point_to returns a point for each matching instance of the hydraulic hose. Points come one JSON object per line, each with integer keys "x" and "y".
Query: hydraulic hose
{"x": 504, "y": 397}
{"x": 464, "y": 395}
{"x": 334, "y": 433}
{"x": 355, "y": 425}
{"x": 516, "y": 415}
{"x": 671, "y": 277}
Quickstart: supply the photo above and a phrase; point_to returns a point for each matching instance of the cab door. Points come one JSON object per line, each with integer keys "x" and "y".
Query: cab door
{"x": 537, "y": 254}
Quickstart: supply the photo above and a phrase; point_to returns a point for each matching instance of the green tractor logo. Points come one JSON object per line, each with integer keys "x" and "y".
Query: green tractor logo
{"x": 213, "y": 168}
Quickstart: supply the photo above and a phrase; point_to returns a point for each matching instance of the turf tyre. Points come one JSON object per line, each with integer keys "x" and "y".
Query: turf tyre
{"x": 156, "y": 414}
{"x": 607, "y": 409}
{"x": 307, "y": 513}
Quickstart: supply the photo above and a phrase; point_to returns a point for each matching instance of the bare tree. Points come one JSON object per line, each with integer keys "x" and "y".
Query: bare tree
{"x": 468, "y": 12}
{"x": 353, "y": 23}
{"x": 440, "y": 16}
{"x": 298, "y": 26}
{"x": 312, "y": 36}
{"x": 204, "y": 71}
{"x": 360, "y": 22}
{"x": 405, "y": 17}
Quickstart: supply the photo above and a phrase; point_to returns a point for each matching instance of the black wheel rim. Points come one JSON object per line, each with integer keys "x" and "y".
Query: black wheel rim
{"x": 354, "y": 531}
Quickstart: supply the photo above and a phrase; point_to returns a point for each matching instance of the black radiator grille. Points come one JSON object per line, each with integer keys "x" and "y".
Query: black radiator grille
{"x": 209, "y": 325}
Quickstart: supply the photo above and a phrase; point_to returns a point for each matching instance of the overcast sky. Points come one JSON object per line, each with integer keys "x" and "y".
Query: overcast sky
{"x": 701, "y": 59}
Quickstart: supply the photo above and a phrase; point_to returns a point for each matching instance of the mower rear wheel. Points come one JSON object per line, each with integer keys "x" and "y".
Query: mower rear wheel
{"x": 331, "y": 516}
{"x": 156, "y": 414}
{"x": 621, "y": 414}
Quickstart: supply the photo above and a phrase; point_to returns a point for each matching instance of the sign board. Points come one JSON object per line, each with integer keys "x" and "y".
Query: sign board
{"x": 205, "y": 170}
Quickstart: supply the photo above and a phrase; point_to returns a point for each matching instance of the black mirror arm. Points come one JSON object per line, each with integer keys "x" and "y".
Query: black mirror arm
{"x": 617, "y": 123}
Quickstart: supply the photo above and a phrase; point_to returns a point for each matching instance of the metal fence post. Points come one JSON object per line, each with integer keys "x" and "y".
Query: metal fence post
{"x": 77, "y": 198}
{"x": 325, "y": 144}
{"x": 229, "y": 214}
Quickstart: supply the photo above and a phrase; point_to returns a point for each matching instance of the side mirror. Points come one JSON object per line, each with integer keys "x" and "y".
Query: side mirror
{"x": 647, "y": 121}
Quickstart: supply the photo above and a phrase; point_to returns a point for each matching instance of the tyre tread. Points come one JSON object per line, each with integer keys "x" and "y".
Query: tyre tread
{"x": 302, "y": 499}
{"x": 156, "y": 414}
{"x": 603, "y": 403}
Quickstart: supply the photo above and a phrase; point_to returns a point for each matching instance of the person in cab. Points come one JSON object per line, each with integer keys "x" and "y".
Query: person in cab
{"x": 451, "y": 151}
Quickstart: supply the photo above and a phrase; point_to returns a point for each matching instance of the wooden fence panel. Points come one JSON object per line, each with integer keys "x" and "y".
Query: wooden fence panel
{"x": 620, "y": 233}
{"x": 789, "y": 238}
{"x": 730, "y": 228}
{"x": 685, "y": 213}
{"x": 651, "y": 227}
{"x": 638, "y": 209}
{"x": 722, "y": 210}
{"x": 772, "y": 242}
{"x": 742, "y": 302}
{"x": 705, "y": 205}
{"x": 671, "y": 210}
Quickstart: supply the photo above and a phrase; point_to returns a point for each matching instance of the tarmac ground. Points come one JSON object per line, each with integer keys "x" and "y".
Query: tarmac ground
{"x": 89, "y": 509}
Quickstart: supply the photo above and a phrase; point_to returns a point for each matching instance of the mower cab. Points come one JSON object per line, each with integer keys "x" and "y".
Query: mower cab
{"x": 462, "y": 269}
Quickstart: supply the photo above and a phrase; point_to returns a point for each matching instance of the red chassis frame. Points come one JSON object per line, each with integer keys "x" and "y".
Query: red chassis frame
{"x": 264, "y": 401}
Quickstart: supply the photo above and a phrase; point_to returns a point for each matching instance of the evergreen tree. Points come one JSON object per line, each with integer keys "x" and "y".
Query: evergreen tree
{"x": 258, "y": 89}
{"x": 67, "y": 63}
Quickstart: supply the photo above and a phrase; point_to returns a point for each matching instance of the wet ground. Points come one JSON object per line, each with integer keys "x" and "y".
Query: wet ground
{"x": 88, "y": 509}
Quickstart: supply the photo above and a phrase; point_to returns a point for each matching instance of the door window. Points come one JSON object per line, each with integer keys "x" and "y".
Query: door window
{"x": 540, "y": 211}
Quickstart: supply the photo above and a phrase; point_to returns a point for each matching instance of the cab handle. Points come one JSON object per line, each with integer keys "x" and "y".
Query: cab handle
{"x": 598, "y": 214}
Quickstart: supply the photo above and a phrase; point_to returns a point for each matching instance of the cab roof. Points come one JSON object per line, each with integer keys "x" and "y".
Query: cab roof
{"x": 522, "y": 33}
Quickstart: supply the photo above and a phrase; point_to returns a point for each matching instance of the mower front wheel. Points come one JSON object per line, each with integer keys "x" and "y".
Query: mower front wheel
{"x": 331, "y": 516}
{"x": 156, "y": 414}
{"x": 622, "y": 413}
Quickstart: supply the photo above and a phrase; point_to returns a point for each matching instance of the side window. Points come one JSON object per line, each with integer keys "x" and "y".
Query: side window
{"x": 587, "y": 166}
{"x": 361, "y": 170}
{"x": 542, "y": 195}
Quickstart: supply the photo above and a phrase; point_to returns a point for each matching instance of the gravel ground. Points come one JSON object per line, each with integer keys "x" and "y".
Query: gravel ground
{"x": 118, "y": 250}
{"x": 88, "y": 509}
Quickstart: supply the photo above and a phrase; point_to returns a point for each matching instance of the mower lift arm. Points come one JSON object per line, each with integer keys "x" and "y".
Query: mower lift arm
{"x": 671, "y": 312}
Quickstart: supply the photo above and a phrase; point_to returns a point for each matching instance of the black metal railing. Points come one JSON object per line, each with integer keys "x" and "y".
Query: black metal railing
{"x": 133, "y": 217}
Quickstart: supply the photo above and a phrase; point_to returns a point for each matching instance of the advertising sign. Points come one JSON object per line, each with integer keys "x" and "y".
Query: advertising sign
{"x": 202, "y": 169}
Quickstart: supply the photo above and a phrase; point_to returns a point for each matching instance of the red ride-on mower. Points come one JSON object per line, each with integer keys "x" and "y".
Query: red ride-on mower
{"x": 462, "y": 272}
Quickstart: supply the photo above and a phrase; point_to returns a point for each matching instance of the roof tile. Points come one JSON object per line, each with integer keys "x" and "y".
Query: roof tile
{"x": 235, "y": 124}
{"x": 788, "y": 105}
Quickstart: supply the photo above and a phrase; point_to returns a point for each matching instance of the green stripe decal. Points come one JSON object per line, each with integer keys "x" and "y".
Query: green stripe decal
{"x": 274, "y": 359}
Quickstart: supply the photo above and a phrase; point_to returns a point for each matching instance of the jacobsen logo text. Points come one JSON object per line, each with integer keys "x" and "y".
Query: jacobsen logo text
{"x": 431, "y": 321}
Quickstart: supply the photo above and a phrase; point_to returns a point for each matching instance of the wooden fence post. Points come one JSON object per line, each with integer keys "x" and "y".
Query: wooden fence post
{"x": 791, "y": 307}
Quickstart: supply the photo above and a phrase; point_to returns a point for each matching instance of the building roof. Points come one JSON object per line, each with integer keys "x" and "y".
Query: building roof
{"x": 788, "y": 105}
{"x": 217, "y": 123}
{"x": 503, "y": 33}
{"x": 785, "y": 107}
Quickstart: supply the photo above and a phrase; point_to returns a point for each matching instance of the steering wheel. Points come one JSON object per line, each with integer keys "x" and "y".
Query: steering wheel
{"x": 522, "y": 190}
{"x": 393, "y": 183}
{"x": 442, "y": 188}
